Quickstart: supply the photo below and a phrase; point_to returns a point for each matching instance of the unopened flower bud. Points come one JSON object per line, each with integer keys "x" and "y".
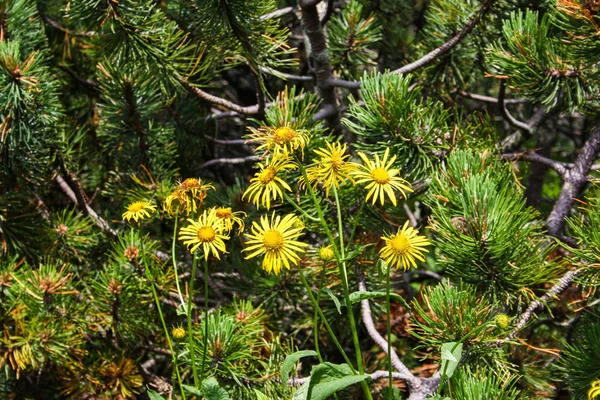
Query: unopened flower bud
{"x": 178, "y": 333}
{"x": 326, "y": 253}
{"x": 502, "y": 321}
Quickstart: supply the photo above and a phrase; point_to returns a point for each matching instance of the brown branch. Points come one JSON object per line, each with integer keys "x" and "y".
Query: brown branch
{"x": 219, "y": 101}
{"x": 449, "y": 45}
{"x": 559, "y": 167}
{"x": 573, "y": 183}
{"x": 319, "y": 54}
{"x": 279, "y": 13}
{"x": 285, "y": 75}
{"x": 488, "y": 99}
{"x": 61, "y": 28}
{"x": 240, "y": 160}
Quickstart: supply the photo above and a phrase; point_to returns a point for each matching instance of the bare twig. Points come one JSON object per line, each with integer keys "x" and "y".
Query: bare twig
{"x": 285, "y": 75}
{"x": 279, "y": 13}
{"x": 488, "y": 99}
{"x": 411, "y": 216}
{"x": 98, "y": 221}
{"x": 449, "y": 45}
{"x": 573, "y": 183}
{"x": 343, "y": 83}
{"x": 559, "y": 167}
{"x": 526, "y": 128}
{"x": 240, "y": 160}
{"x": 61, "y": 28}
{"x": 228, "y": 142}
{"x": 560, "y": 286}
{"x": 219, "y": 101}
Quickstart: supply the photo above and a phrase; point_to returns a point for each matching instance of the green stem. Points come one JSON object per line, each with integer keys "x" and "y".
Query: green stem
{"x": 189, "y": 322}
{"x": 316, "y": 314}
{"x": 160, "y": 314}
{"x": 327, "y": 326}
{"x": 343, "y": 274}
{"x": 205, "y": 344}
{"x": 298, "y": 208}
{"x": 389, "y": 326}
{"x": 175, "y": 259}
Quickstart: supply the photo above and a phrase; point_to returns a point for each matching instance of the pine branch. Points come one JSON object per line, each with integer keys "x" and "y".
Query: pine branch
{"x": 319, "y": 54}
{"x": 526, "y": 128}
{"x": 560, "y": 286}
{"x": 419, "y": 388}
{"x": 449, "y": 45}
{"x": 250, "y": 110}
{"x": 559, "y": 167}
{"x": 574, "y": 181}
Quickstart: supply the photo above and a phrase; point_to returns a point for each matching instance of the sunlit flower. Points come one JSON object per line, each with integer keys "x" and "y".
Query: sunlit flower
{"x": 502, "y": 321}
{"x": 267, "y": 183}
{"x": 401, "y": 249}
{"x": 594, "y": 390}
{"x": 326, "y": 253}
{"x": 138, "y": 211}
{"x": 276, "y": 239}
{"x": 280, "y": 140}
{"x": 187, "y": 197}
{"x": 381, "y": 178}
{"x": 229, "y": 218}
{"x": 332, "y": 168}
{"x": 207, "y": 231}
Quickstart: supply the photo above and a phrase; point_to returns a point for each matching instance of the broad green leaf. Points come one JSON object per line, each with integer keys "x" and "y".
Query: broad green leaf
{"x": 336, "y": 301}
{"x": 355, "y": 297}
{"x": 193, "y": 390}
{"x": 451, "y": 353}
{"x": 290, "y": 361}
{"x": 153, "y": 395}
{"x": 181, "y": 309}
{"x": 302, "y": 392}
{"x": 212, "y": 390}
{"x": 327, "y": 378}
{"x": 260, "y": 395}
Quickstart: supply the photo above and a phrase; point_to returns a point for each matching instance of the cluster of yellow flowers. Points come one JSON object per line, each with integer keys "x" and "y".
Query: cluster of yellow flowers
{"x": 594, "y": 391}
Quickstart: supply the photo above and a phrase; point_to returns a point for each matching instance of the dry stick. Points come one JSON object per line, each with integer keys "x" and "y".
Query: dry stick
{"x": 250, "y": 110}
{"x": 559, "y": 167}
{"x": 320, "y": 54}
{"x": 573, "y": 183}
{"x": 527, "y": 128}
{"x": 488, "y": 99}
{"x": 449, "y": 45}
{"x": 240, "y": 160}
{"x": 560, "y": 286}
{"x": 98, "y": 221}
{"x": 419, "y": 388}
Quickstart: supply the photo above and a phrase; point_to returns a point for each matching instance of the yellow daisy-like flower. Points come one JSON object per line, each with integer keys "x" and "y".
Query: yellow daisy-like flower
{"x": 267, "y": 183}
{"x": 207, "y": 231}
{"x": 280, "y": 140}
{"x": 138, "y": 210}
{"x": 229, "y": 218}
{"x": 331, "y": 169}
{"x": 381, "y": 178}
{"x": 594, "y": 390}
{"x": 178, "y": 332}
{"x": 401, "y": 249}
{"x": 276, "y": 239}
{"x": 187, "y": 197}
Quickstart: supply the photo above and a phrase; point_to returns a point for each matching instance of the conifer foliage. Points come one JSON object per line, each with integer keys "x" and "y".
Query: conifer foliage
{"x": 303, "y": 200}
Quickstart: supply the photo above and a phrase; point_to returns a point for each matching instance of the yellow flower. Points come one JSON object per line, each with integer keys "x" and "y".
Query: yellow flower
{"x": 594, "y": 390}
{"x": 326, "y": 253}
{"x": 331, "y": 169}
{"x": 229, "y": 218}
{"x": 178, "y": 333}
{"x": 402, "y": 248}
{"x": 267, "y": 183}
{"x": 276, "y": 239}
{"x": 188, "y": 196}
{"x": 208, "y": 231}
{"x": 138, "y": 210}
{"x": 502, "y": 321}
{"x": 281, "y": 140}
{"x": 381, "y": 178}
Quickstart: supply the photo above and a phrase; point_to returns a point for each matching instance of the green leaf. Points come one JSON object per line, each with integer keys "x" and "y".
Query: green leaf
{"x": 193, "y": 390}
{"x": 358, "y": 250}
{"x": 290, "y": 361}
{"x": 302, "y": 392}
{"x": 451, "y": 353}
{"x": 327, "y": 378}
{"x": 334, "y": 298}
{"x": 355, "y": 297}
{"x": 153, "y": 395}
{"x": 212, "y": 390}
{"x": 260, "y": 395}
{"x": 181, "y": 309}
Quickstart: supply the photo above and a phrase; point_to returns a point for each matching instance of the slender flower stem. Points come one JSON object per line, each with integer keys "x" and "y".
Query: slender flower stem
{"x": 316, "y": 314}
{"x": 189, "y": 322}
{"x": 389, "y": 327}
{"x": 205, "y": 345}
{"x": 175, "y": 259}
{"x": 299, "y": 209}
{"x": 327, "y": 326}
{"x": 343, "y": 274}
{"x": 160, "y": 314}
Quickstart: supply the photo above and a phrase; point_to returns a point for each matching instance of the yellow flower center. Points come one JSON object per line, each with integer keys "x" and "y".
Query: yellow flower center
{"x": 136, "y": 207}
{"x": 267, "y": 175}
{"x": 190, "y": 183}
{"x": 224, "y": 212}
{"x": 178, "y": 333}
{"x": 273, "y": 240}
{"x": 283, "y": 135}
{"x": 206, "y": 234}
{"x": 336, "y": 162}
{"x": 400, "y": 244}
{"x": 380, "y": 175}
